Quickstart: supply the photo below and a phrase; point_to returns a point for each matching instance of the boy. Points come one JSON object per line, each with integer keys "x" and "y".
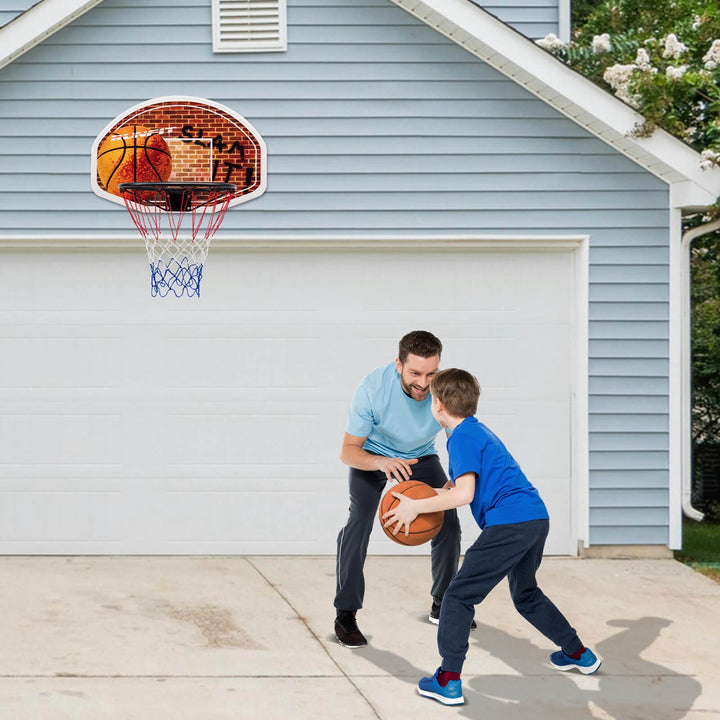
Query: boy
{"x": 514, "y": 525}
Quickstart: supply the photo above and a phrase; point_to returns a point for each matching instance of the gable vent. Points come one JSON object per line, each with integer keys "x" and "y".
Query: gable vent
{"x": 249, "y": 25}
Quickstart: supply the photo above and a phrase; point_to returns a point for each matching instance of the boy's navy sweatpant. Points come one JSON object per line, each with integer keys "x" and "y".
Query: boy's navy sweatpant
{"x": 514, "y": 551}
{"x": 366, "y": 487}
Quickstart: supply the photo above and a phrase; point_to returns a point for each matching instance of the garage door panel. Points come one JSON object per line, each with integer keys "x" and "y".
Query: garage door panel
{"x": 543, "y": 362}
{"x": 61, "y": 282}
{"x": 553, "y": 491}
{"x": 233, "y": 362}
{"x": 544, "y": 278}
{"x": 67, "y": 361}
{"x": 47, "y": 517}
{"x": 215, "y": 424}
{"x": 251, "y": 516}
{"x": 239, "y": 439}
{"x": 59, "y": 438}
{"x": 540, "y": 435}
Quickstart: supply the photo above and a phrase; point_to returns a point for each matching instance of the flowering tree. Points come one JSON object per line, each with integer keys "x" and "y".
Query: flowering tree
{"x": 662, "y": 57}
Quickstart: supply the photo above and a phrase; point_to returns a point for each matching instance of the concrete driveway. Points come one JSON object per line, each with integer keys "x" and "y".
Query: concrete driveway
{"x": 192, "y": 638}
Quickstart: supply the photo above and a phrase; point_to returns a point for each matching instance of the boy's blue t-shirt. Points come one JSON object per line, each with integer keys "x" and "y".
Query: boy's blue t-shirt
{"x": 503, "y": 495}
{"x": 395, "y": 425}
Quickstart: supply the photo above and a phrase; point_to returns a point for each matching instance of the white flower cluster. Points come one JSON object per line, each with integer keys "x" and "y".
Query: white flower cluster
{"x": 673, "y": 47}
{"x": 675, "y": 73}
{"x": 642, "y": 61}
{"x": 712, "y": 56}
{"x": 551, "y": 42}
{"x": 601, "y": 43}
{"x": 618, "y": 77}
{"x": 709, "y": 159}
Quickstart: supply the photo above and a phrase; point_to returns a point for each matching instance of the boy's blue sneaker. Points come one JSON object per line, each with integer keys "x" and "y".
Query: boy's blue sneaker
{"x": 451, "y": 694}
{"x": 587, "y": 663}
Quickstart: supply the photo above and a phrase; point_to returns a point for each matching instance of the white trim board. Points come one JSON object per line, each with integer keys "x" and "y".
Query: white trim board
{"x": 284, "y": 243}
{"x": 679, "y": 388}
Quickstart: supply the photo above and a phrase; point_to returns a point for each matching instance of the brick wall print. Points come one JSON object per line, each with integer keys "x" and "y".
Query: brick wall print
{"x": 179, "y": 140}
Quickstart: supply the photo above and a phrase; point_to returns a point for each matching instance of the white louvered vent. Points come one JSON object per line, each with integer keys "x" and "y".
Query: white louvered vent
{"x": 249, "y": 25}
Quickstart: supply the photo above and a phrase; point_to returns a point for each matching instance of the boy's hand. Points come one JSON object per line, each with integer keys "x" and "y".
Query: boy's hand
{"x": 402, "y": 514}
{"x": 396, "y": 468}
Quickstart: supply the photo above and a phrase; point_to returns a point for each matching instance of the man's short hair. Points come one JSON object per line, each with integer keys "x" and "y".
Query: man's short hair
{"x": 419, "y": 342}
{"x": 457, "y": 390}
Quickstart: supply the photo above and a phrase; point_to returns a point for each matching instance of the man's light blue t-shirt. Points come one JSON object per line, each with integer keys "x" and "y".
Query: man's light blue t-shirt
{"x": 395, "y": 424}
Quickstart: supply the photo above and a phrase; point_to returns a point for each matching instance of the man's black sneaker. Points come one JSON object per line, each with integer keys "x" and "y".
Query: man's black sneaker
{"x": 347, "y": 631}
{"x": 434, "y": 616}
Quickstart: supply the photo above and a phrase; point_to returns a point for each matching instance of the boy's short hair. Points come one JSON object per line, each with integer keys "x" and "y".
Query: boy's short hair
{"x": 419, "y": 342}
{"x": 457, "y": 390}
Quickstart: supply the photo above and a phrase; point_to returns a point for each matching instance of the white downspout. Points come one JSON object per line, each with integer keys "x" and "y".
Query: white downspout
{"x": 564, "y": 20}
{"x": 686, "y": 422}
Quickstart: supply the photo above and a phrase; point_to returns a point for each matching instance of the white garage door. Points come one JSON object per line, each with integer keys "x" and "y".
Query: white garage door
{"x": 132, "y": 424}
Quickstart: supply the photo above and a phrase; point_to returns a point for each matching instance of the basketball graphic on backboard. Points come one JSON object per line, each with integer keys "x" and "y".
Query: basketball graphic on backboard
{"x": 133, "y": 153}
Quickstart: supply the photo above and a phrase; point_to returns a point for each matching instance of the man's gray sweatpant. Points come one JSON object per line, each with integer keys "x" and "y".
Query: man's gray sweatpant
{"x": 366, "y": 488}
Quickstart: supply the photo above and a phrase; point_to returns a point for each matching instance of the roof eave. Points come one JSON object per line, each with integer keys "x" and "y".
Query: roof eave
{"x": 593, "y": 108}
{"x": 38, "y": 23}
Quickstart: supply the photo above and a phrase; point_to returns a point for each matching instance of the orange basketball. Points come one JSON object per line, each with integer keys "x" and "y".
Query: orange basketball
{"x": 424, "y": 527}
{"x": 133, "y": 153}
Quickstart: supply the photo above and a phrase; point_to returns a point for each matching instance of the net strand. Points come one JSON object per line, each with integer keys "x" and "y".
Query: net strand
{"x": 177, "y": 277}
{"x": 176, "y": 260}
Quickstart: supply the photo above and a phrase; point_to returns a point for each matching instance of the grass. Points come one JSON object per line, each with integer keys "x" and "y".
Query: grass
{"x": 701, "y": 547}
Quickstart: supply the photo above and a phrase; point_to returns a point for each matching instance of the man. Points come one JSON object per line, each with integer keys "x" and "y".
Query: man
{"x": 390, "y": 436}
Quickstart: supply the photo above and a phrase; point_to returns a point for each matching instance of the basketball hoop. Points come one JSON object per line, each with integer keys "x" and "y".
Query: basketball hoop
{"x": 159, "y": 210}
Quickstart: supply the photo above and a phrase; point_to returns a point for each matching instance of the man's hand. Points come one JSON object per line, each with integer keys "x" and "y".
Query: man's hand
{"x": 396, "y": 468}
{"x": 352, "y": 454}
{"x": 402, "y": 514}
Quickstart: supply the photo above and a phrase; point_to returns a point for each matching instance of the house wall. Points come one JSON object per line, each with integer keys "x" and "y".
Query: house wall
{"x": 10, "y": 10}
{"x": 533, "y": 18}
{"x": 375, "y": 124}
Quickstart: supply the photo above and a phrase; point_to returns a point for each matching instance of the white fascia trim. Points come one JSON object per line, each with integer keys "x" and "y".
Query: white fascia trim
{"x": 687, "y": 196}
{"x": 38, "y": 23}
{"x": 232, "y": 240}
{"x": 546, "y": 77}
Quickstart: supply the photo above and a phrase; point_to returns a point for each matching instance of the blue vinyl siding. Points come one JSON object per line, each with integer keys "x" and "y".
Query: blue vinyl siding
{"x": 10, "y": 10}
{"x": 533, "y": 18}
{"x": 376, "y": 124}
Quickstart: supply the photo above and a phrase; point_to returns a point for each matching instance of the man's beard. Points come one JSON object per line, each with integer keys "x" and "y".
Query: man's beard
{"x": 412, "y": 391}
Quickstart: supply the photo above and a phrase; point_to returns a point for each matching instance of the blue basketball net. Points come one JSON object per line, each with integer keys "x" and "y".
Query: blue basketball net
{"x": 179, "y": 277}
